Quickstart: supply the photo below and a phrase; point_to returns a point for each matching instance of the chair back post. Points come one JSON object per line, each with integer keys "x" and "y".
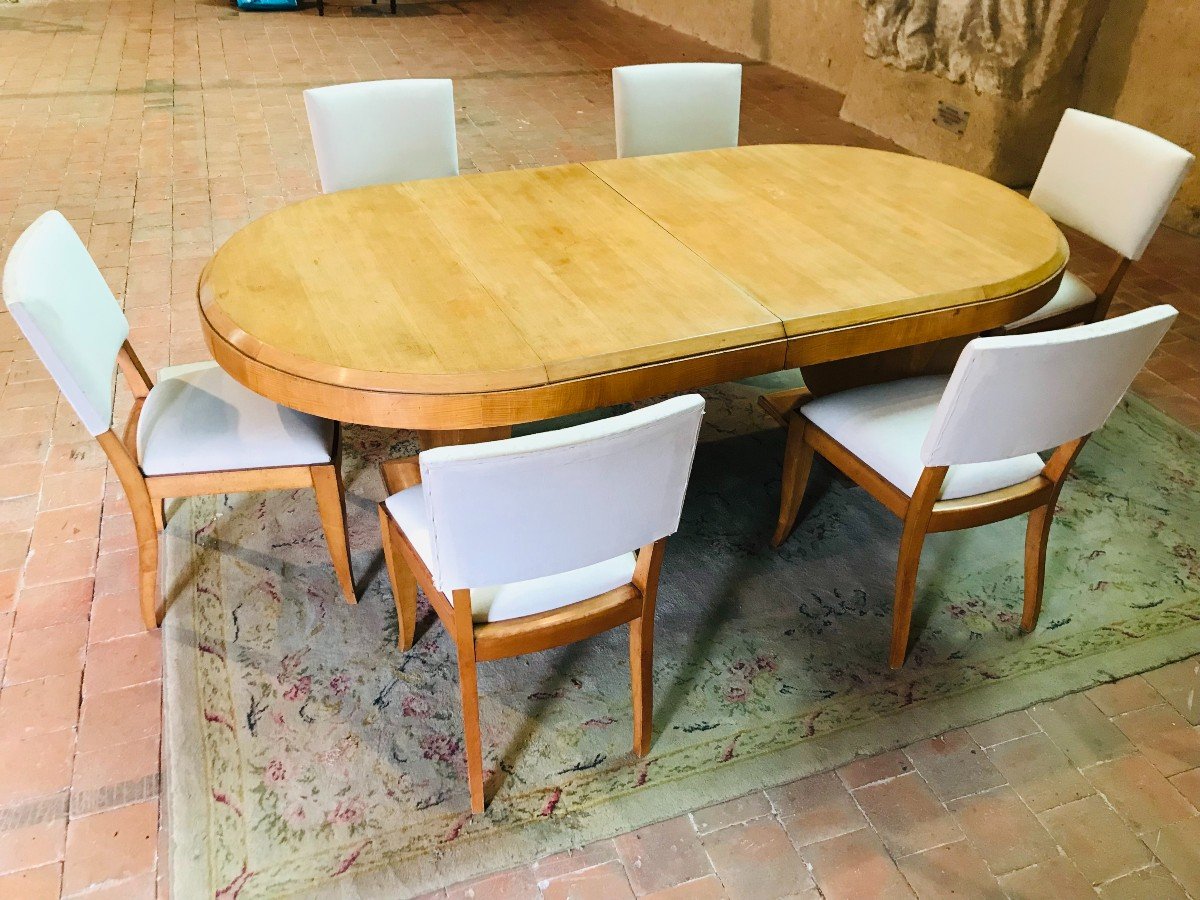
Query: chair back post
{"x": 139, "y": 381}
{"x": 1105, "y": 298}
{"x": 140, "y": 384}
{"x": 646, "y": 573}
{"x": 1060, "y": 462}
{"x": 926, "y": 493}
{"x": 464, "y": 624}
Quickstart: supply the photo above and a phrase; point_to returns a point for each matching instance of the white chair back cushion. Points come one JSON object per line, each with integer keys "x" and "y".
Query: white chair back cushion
{"x": 675, "y": 107}
{"x": 1110, "y": 180}
{"x": 64, "y": 307}
{"x": 543, "y": 504}
{"x": 1026, "y": 393}
{"x": 382, "y": 132}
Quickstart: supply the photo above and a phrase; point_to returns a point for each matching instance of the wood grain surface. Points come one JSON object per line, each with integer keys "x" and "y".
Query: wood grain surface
{"x": 488, "y": 300}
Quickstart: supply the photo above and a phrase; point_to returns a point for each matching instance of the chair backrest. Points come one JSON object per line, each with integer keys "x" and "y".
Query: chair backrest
{"x": 674, "y": 107}
{"x": 64, "y": 307}
{"x": 543, "y": 504}
{"x": 1026, "y": 393}
{"x": 1110, "y": 180}
{"x": 382, "y": 132}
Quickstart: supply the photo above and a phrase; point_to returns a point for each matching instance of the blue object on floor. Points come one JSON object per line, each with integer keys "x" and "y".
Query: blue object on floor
{"x": 268, "y": 4}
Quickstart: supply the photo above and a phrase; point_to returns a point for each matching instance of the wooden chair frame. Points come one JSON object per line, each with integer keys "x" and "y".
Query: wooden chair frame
{"x": 148, "y": 493}
{"x": 1096, "y": 311}
{"x": 631, "y": 604}
{"x": 923, "y": 513}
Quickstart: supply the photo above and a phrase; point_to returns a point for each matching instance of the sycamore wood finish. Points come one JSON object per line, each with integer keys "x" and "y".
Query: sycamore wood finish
{"x": 428, "y": 440}
{"x": 484, "y": 301}
{"x": 631, "y": 604}
{"x": 923, "y": 513}
{"x": 148, "y": 493}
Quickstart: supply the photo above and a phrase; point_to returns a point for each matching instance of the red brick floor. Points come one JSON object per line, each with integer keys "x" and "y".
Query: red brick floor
{"x": 161, "y": 126}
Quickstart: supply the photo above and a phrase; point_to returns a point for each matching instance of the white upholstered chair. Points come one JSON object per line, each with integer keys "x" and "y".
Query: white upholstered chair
{"x": 528, "y": 543}
{"x": 675, "y": 107}
{"x": 1113, "y": 182}
{"x": 945, "y": 453}
{"x": 196, "y": 431}
{"x": 382, "y": 132}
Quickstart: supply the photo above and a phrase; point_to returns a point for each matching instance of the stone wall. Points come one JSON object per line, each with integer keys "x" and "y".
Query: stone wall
{"x": 735, "y": 25}
{"x": 1012, "y": 65}
{"x": 819, "y": 39}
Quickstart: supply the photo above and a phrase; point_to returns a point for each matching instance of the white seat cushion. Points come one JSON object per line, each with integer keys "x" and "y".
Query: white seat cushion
{"x": 198, "y": 419}
{"x": 521, "y": 598}
{"x": 885, "y": 425}
{"x": 1072, "y": 293}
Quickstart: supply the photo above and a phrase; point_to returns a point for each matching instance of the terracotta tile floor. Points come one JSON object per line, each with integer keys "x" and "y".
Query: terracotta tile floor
{"x": 161, "y": 126}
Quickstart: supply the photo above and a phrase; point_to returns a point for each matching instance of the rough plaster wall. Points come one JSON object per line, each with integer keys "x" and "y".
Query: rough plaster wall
{"x": 819, "y": 39}
{"x": 737, "y": 25}
{"x": 1144, "y": 68}
{"x": 1005, "y": 139}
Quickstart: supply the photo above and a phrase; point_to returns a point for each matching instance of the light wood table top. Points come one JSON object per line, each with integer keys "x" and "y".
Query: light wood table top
{"x": 487, "y": 300}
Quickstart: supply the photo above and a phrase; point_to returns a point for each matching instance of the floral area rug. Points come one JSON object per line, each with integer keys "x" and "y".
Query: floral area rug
{"x": 307, "y": 755}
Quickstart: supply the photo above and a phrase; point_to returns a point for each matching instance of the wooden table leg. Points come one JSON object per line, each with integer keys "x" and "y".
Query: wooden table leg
{"x": 430, "y": 439}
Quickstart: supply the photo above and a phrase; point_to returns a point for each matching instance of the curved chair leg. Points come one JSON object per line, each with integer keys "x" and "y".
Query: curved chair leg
{"x": 331, "y": 504}
{"x": 916, "y": 526}
{"x": 641, "y": 670}
{"x": 797, "y": 463}
{"x": 1037, "y": 532}
{"x": 641, "y": 644}
{"x": 906, "y": 587}
{"x": 1037, "y": 537}
{"x": 472, "y": 739}
{"x": 404, "y": 584}
{"x": 145, "y": 523}
{"x": 147, "y": 538}
{"x": 159, "y": 507}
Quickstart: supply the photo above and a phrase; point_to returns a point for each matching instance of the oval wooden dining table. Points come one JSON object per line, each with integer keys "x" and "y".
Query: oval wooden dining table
{"x": 462, "y": 306}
